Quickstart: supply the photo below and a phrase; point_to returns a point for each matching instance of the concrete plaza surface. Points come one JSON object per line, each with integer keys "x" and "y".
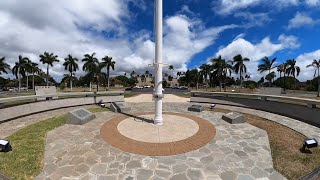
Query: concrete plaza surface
{"x": 174, "y": 128}
{"x": 237, "y": 152}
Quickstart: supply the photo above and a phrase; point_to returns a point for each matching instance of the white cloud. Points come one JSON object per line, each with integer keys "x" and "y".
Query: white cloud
{"x": 227, "y": 7}
{"x": 253, "y": 19}
{"x": 30, "y": 28}
{"x": 256, "y": 52}
{"x": 304, "y": 60}
{"x": 299, "y": 20}
{"x": 313, "y": 2}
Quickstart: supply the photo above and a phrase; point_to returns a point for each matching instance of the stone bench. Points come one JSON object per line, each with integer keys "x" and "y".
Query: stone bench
{"x": 80, "y": 117}
{"x": 119, "y": 107}
{"x": 195, "y": 108}
{"x": 234, "y": 118}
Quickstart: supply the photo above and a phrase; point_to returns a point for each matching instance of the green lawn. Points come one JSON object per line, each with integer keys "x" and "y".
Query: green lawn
{"x": 97, "y": 109}
{"x": 28, "y": 144}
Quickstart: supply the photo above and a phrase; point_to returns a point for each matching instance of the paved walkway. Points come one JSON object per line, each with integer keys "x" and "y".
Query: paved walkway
{"x": 10, "y": 127}
{"x": 148, "y": 98}
{"x": 237, "y": 152}
{"x": 301, "y": 127}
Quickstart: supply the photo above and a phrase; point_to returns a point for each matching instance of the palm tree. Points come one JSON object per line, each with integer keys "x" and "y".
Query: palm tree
{"x": 205, "y": 70}
{"x": 267, "y": 65}
{"x": 34, "y": 70}
{"x": 4, "y": 66}
{"x": 100, "y": 75}
{"x": 71, "y": 65}
{"x": 247, "y": 77}
{"x": 143, "y": 79}
{"x": 108, "y": 63}
{"x": 293, "y": 70}
{"x": 90, "y": 65}
{"x": 20, "y": 68}
{"x": 49, "y": 59}
{"x": 221, "y": 69}
{"x": 270, "y": 76}
{"x": 316, "y": 65}
{"x": 147, "y": 73}
{"x": 239, "y": 66}
{"x": 281, "y": 70}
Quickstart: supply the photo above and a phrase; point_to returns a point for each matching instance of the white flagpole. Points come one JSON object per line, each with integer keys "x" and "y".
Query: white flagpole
{"x": 158, "y": 120}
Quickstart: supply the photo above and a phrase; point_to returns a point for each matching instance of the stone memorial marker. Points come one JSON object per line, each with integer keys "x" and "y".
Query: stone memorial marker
{"x": 80, "y": 117}
{"x": 195, "y": 108}
{"x": 119, "y": 107}
{"x": 234, "y": 118}
{"x": 44, "y": 90}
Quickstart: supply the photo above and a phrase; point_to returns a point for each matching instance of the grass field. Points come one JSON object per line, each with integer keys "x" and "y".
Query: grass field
{"x": 26, "y": 159}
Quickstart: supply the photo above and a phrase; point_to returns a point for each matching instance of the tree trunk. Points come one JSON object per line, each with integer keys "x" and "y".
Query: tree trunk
{"x": 284, "y": 81}
{"x": 108, "y": 71}
{"x": 33, "y": 80}
{"x": 294, "y": 84}
{"x": 90, "y": 86}
{"x": 318, "y": 82}
{"x": 27, "y": 81}
{"x": 71, "y": 81}
{"x": 48, "y": 75}
{"x": 270, "y": 80}
{"x": 240, "y": 81}
{"x": 19, "y": 79}
{"x": 220, "y": 85}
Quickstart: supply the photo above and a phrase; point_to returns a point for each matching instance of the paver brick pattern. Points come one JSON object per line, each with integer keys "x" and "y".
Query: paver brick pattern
{"x": 111, "y": 135}
{"x": 236, "y": 152}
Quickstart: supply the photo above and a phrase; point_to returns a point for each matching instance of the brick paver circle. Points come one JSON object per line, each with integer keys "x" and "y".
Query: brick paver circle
{"x": 109, "y": 132}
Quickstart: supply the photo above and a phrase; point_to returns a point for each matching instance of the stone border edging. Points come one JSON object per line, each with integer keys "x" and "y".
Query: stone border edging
{"x": 296, "y": 125}
{"x": 111, "y": 135}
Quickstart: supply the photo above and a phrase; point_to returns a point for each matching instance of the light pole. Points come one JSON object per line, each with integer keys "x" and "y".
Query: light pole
{"x": 158, "y": 120}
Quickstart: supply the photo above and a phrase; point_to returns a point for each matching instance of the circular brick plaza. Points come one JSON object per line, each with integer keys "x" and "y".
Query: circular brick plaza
{"x": 137, "y": 134}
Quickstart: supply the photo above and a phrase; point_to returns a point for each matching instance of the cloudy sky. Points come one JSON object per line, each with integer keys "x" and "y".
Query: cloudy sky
{"x": 194, "y": 31}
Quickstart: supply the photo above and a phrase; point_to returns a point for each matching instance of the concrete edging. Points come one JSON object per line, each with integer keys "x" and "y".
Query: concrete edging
{"x": 42, "y": 106}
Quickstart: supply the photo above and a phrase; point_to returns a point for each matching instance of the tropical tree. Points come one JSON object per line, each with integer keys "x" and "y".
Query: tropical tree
{"x": 205, "y": 70}
{"x": 270, "y": 76}
{"x": 281, "y": 70}
{"x": 239, "y": 66}
{"x": 147, "y": 73}
{"x": 247, "y": 77}
{"x": 34, "y": 70}
{"x": 221, "y": 69}
{"x": 49, "y": 59}
{"x": 20, "y": 68}
{"x": 90, "y": 66}
{"x": 99, "y": 74}
{"x": 143, "y": 79}
{"x": 316, "y": 64}
{"x": 108, "y": 63}
{"x": 71, "y": 65}
{"x": 293, "y": 70}
{"x": 170, "y": 68}
{"x": 267, "y": 65}
{"x": 4, "y": 66}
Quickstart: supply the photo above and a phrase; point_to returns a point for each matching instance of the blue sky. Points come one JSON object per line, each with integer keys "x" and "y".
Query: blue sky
{"x": 194, "y": 31}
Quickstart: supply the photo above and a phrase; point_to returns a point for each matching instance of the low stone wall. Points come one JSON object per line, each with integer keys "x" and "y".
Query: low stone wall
{"x": 296, "y": 111}
{"x": 41, "y": 106}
